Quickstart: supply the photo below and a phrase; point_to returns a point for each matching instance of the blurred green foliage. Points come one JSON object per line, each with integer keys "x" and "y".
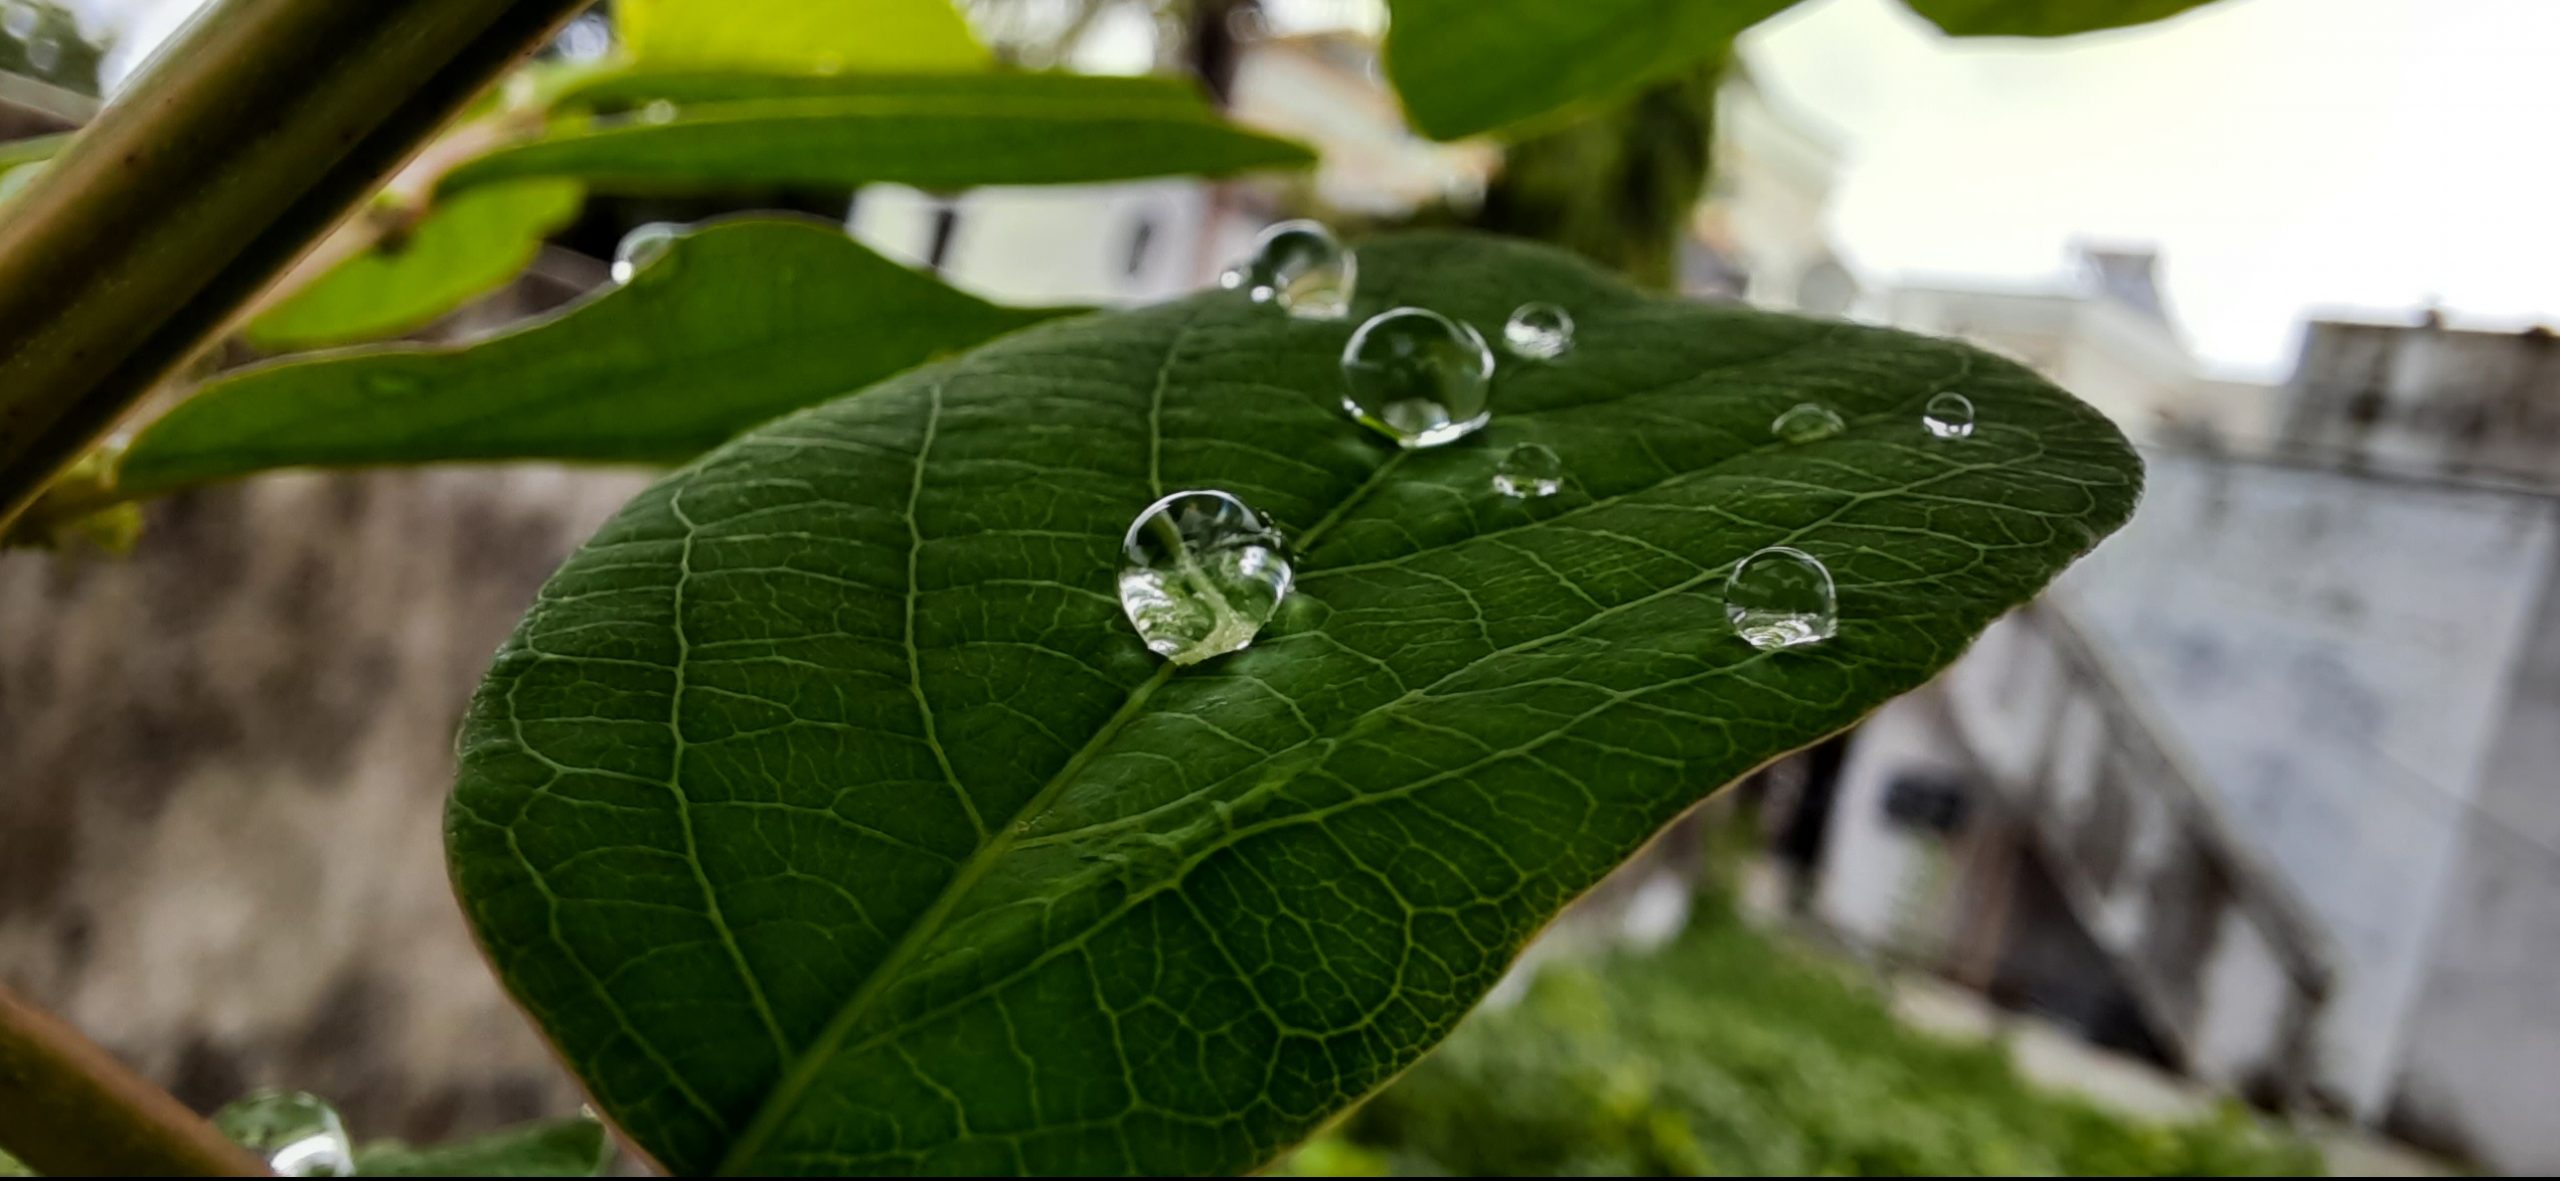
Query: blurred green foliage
{"x": 1729, "y": 1052}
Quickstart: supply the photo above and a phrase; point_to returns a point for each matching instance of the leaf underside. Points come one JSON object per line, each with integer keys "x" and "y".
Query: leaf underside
{"x": 1465, "y": 67}
{"x": 829, "y": 818}
{"x": 2044, "y": 18}
{"x": 742, "y": 321}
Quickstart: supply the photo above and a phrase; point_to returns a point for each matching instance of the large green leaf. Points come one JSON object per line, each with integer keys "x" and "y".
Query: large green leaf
{"x": 870, "y": 35}
{"x": 1471, "y": 66}
{"x": 549, "y": 1148}
{"x": 946, "y": 133}
{"x": 828, "y": 816}
{"x": 743, "y": 321}
{"x": 468, "y": 246}
{"x": 2044, "y": 18}
{"x": 623, "y": 89}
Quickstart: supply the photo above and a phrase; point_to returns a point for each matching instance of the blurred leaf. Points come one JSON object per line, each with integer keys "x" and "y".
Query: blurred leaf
{"x": 622, "y": 89}
{"x": 10, "y": 1167}
{"x": 1470, "y": 66}
{"x": 547, "y": 1148}
{"x": 2044, "y": 18}
{"x": 984, "y": 131}
{"x": 853, "y": 35}
{"x": 27, "y": 151}
{"x": 473, "y": 243}
{"x": 742, "y": 321}
{"x": 828, "y": 815}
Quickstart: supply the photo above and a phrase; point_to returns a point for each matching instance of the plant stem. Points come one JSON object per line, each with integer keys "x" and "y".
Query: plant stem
{"x": 68, "y": 1109}
{"x": 250, "y": 136}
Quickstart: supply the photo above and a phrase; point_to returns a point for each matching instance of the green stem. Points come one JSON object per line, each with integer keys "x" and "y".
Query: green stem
{"x": 242, "y": 145}
{"x": 67, "y": 1109}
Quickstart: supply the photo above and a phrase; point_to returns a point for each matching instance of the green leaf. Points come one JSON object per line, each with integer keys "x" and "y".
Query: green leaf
{"x": 547, "y": 1148}
{"x": 828, "y": 816}
{"x": 867, "y": 35}
{"x": 948, "y": 134}
{"x": 2044, "y": 18}
{"x": 1470, "y": 66}
{"x": 472, "y": 244}
{"x": 624, "y": 89}
{"x": 744, "y": 320}
{"x": 28, "y": 151}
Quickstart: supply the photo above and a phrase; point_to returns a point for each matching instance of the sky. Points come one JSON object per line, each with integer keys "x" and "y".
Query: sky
{"x": 2285, "y": 156}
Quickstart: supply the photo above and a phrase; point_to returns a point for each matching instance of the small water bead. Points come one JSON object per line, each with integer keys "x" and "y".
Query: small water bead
{"x": 1781, "y": 597}
{"x": 1205, "y": 573}
{"x": 1807, "y": 422}
{"x": 1420, "y": 377}
{"x": 19, "y": 18}
{"x": 1301, "y": 266}
{"x": 298, "y": 1134}
{"x": 1529, "y": 472}
{"x": 586, "y": 39}
{"x": 43, "y": 54}
{"x": 643, "y": 246}
{"x": 1949, "y": 416}
{"x": 1539, "y": 332}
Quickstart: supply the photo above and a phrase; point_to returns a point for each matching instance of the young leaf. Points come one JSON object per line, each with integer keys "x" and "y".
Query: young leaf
{"x": 2044, "y": 18}
{"x": 1466, "y": 67}
{"x": 743, "y": 321}
{"x": 546, "y": 1148}
{"x": 827, "y": 815}
{"x": 868, "y": 35}
{"x": 470, "y": 245}
{"x": 948, "y": 134}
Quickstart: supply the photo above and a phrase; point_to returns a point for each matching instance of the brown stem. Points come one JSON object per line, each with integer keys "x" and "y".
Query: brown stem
{"x": 68, "y": 1109}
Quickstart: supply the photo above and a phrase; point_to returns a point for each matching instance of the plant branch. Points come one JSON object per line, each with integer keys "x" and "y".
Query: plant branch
{"x": 239, "y": 148}
{"x": 68, "y": 1109}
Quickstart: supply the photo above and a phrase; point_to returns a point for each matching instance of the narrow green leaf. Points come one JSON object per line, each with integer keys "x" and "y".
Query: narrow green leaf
{"x": 944, "y": 136}
{"x": 1466, "y": 67}
{"x": 867, "y": 35}
{"x": 622, "y": 89}
{"x": 471, "y": 244}
{"x": 828, "y": 816}
{"x": 2044, "y": 18}
{"x": 743, "y": 321}
{"x": 27, "y": 151}
{"x": 547, "y": 1148}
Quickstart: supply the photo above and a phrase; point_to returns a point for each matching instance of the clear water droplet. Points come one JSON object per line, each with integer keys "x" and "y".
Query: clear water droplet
{"x": 299, "y": 1134}
{"x": 1529, "y": 472}
{"x": 642, "y": 246}
{"x": 586, "y": 39}
{"x": 1539, "y": 332}
{"x": 657, "y": 110}
{"x": 1205, "y": 574}
{"x": 43, "y": 54}
{"x": 1782, "y": 597}
{"x": 1807, "y": 422}
{"x": 1421, "y": 377}
{"x": 1303, "y": 267}
{"x": 19, "y": 19}
{"x": 1949, "y": 416}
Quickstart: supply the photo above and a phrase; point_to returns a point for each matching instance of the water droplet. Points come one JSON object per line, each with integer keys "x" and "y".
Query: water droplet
{"x": 297, "y": 1133}
{"x": 19, "y": 19}
{"x": 1419, "y": 376}
{"x": 43, "y": 54}
{"x": 1781, "y": 598}
{"x": 643, "y": 246}
{"x": 1539, "y": 332}
{"x": 657, "y": 110}
{"x": 1529, "y": 472}
{"x": 1301, "y": 265}
{"x": 1949, "y": 415}
{"x": 1807, "y": 422}
{"x": 1205, "y": 574}
{"x": 586, "y": 39}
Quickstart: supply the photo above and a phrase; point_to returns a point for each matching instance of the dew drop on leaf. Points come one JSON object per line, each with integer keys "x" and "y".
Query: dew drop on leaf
{"x": 1205, "y": 572}
{"x": 298, "y": 1134}
{"x": 1301, "y": 266}
{"x": 1781, "y": 597}
{"x": 1529, "y": 472}
{"x": 643, "y": 246}
{"x": 1807, "y": 422}
{"x": 1949, "y": 415}
{"x": 43, "y": 54}
{"x": 1539, "y": 332}
{"x": 18, "y": 19}
{"x": 1420, "y": 377}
